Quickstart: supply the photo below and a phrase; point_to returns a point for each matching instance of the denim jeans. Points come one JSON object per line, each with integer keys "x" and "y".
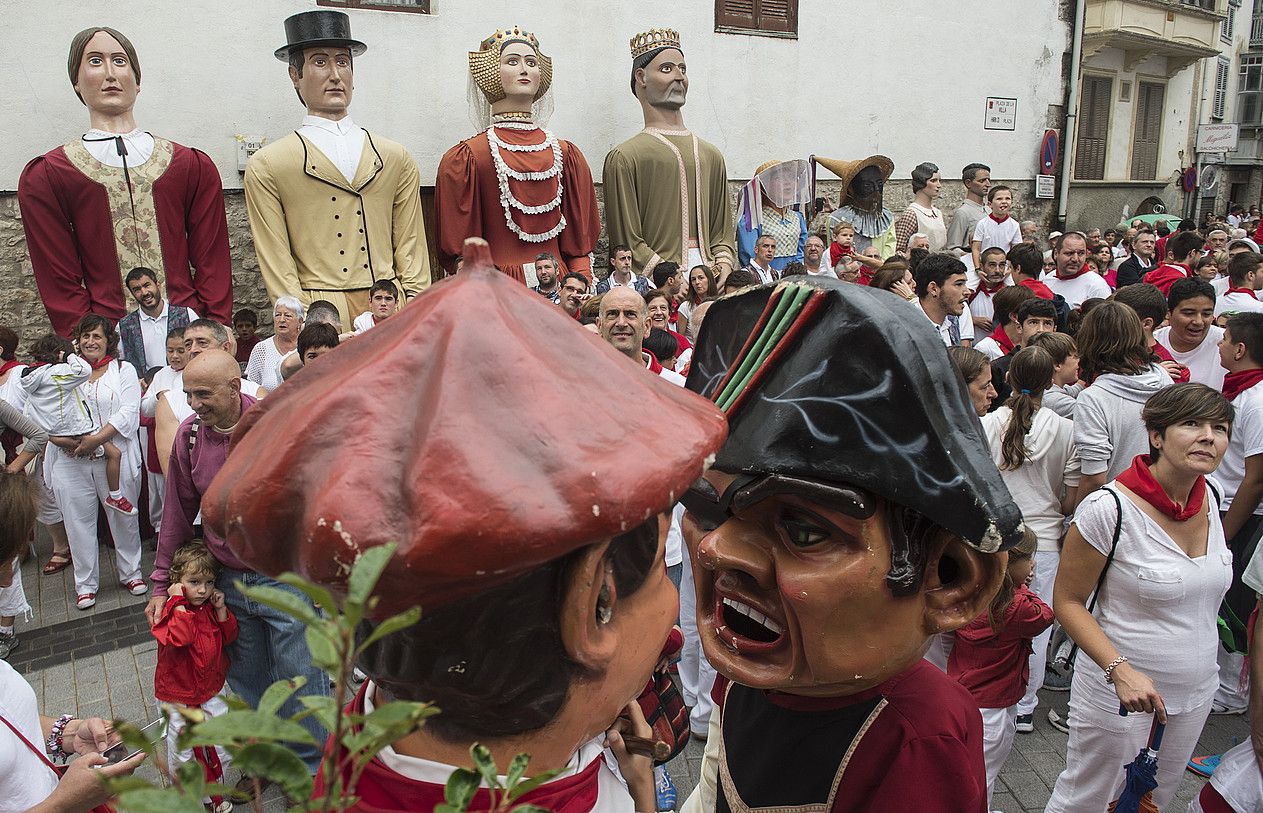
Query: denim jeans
{"x": 272, "y": 646}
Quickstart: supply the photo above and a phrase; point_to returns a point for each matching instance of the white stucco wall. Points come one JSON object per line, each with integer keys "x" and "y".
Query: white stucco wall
{"x": 909, "y": 80}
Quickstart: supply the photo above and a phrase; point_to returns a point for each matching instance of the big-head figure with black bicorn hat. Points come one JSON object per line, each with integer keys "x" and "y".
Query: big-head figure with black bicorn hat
{"x": 118, "y": 198}
{"x": 534, "y": 552}
{"x": 515, "y": 184}
{"x": 645, "y": 206}
{"x": 333, "y": 207}
{"x": 853, "y": 512}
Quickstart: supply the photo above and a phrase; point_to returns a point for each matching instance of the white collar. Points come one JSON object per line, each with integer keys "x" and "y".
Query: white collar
{"x": 342, "y": 127}
{"x": 927, "y": 316}
{"x": 166, "y": 307}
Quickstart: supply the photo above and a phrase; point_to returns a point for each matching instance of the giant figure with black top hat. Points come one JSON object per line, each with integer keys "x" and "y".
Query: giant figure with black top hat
{"x": 119, "y": 197}
{"x": 853, "y": 512}
{"x": 334, "y": 208}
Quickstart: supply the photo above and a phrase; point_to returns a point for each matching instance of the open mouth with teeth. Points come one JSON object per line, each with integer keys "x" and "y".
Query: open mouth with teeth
{"x": 745, "y": 628}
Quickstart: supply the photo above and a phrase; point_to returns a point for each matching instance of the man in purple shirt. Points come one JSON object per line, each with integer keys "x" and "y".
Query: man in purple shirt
{"x": 270, "y": 645}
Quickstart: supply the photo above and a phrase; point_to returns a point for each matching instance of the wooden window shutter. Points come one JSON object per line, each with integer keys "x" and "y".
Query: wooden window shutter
{"x": 736, "y": 14}
{"x": 1094, "y": 111}
{"x": 771, "y": 16}
{"x": 1148, "y": 135}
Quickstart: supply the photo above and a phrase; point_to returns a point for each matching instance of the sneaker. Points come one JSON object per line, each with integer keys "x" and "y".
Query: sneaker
{"x": 8, "y": 643}
{"x": 1204, "y": 766}
{"x": 121, "y": 505}
{"x": 1222, "y": 708}
{"x": 1056, "y": 682}
{"x": 1058, "y": 722}
{"x": 1025, "y": 723}
{"x": 665, "y": 789}
{"x": 85, "y": 600}
{"x": 136, "y": 587}
{"x": 223, "y": 807}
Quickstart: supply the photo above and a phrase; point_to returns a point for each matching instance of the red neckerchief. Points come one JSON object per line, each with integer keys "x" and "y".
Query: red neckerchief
{"x": 1080, "y": 273}
{"x": 9, "y": 365}
{"x": 651, "y": 361}
{"x": 1239, "y": 382}
{"x": 1002, "y": 339}
{"x": 997, "y": 219}
{"x": 866, "y": 275}
{"x": 96, "y": 365}
{"x": 1041, "y": 290}
{"x": 984, "y": 288}
{"x": 1165, "y": 355}
{"x": 1245, "y": 291}
{"x": 1140, "y": 481}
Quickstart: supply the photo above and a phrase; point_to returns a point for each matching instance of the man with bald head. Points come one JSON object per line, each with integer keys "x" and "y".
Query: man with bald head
{"x": 269, "y": 645}
{"x": 623, "y": 322}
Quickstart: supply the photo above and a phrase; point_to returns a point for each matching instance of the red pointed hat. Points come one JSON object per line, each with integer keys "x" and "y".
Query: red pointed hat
{"x": 480, "y": 428}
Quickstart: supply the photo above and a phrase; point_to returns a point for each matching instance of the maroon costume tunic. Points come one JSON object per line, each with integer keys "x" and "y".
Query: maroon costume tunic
{"x": 76, "y": 213}
{"x": 912, "y": 743}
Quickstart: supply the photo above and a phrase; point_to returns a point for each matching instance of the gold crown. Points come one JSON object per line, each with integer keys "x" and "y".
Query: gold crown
{"x": 653, "y": 39}
{"x": 498, "y": 39}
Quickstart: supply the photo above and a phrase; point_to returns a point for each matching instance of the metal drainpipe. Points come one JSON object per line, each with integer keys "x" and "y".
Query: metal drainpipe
{"x": 1070, "y": 130}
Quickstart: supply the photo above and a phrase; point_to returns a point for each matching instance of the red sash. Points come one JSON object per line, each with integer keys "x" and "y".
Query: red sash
{"x": 1237, "y": 383}
{"x": 1141, "y": 482}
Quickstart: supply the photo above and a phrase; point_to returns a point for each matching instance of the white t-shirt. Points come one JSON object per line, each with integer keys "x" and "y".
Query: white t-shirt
{"x": 1247, "y": 441}
{"x": 1236, "y": 302}
{"x": 1036, "y": 485}
{"x": 1221, "y": 285}
{"x": 991, "y": 234}
{"x": 1202, "y": 361}
{"x": 1088, "y": 285}
{"x": 25, "y": 780}
{"x": 1156, "y": 602}
{"x": 989, "y": 347}
{"x": 982, "y": 306}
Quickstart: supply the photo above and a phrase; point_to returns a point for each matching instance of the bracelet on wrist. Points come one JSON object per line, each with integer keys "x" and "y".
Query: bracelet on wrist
{"x": 55, "y": 744}
{"x": 1114, "y": 664}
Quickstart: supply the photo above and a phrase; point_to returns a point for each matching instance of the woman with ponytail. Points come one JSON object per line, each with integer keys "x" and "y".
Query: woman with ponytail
{"x": 1035, "y": 451}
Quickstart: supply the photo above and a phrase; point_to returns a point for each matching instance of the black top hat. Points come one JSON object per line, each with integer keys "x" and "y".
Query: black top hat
{"x": 320, "y": 27}
{"x": 833, "y": 382}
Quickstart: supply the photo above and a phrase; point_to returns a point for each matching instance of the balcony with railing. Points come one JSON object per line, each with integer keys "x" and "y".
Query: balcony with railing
{"x": 1183, "y": 31}
{"x": 1256, "y": 31}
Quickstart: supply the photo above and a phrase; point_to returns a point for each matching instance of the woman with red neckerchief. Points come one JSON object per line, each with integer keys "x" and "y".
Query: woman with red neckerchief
{"x": 78, "y": 479}
{"x": 1155, "y": 534}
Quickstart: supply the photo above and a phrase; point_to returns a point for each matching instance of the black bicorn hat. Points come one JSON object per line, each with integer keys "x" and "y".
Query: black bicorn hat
{"x": 320, "y": 27}
{"x": 838, "y": 383}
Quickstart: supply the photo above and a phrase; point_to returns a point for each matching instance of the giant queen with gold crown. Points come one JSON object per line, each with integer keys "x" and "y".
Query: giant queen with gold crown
{"x": 515, "y": 184}
{"x": 666, "y": 189}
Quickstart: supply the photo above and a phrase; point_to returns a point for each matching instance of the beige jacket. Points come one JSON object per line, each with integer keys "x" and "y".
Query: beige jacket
{"x": 314, "y": 231}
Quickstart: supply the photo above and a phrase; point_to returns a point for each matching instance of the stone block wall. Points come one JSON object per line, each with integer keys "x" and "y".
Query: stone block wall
{"x": 22, "y": 309}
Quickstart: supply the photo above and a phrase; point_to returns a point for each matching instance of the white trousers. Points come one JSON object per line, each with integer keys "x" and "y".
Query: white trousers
{"x": 1234, "y": 680}
{"x": 1046, "y": 562}
{"x": 697, "y": 676}
{"x": 49, "y": 513}
{"x": 80, "y": 487}
{"x": 214, "y": 707}
{"x": 997, "y": 741}
{"x": 1102, "y": 741}
{"x": 157, "y": 493}
{"x": 13, "y": 601}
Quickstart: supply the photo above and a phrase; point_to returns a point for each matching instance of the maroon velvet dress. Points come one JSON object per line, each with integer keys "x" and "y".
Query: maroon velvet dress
{"x": 471, "y": 191}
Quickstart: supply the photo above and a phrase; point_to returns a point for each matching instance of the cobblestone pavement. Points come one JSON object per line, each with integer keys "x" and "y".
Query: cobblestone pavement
{"x": 101, "y": 662}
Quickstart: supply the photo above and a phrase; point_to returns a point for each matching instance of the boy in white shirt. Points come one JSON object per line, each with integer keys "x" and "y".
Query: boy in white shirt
{"x": 997, "y": 229}
{"x": 1244, "y": 281}
{"x": 53, "y": 402}
{"x": 382, "y": 303}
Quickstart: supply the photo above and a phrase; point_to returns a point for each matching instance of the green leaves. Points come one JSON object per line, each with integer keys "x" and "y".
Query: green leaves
{"x": 393, "y": 624}
{"x": 277, "y": 763}
{"x": 241, "y": 727}
{"x": 278, "y": 693}
{"x": 281, "y": 600}
{"x": 459, "y": 791}
{"x": 158, "y": 800}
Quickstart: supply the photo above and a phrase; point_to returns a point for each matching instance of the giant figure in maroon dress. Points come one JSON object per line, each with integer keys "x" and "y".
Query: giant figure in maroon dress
{"x": 515, "y": 184}
{"x": 853, "y": 512}
{"x": 117, "y": 198}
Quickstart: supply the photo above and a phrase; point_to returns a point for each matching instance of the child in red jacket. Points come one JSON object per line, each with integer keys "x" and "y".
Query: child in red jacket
{"x": 991, "y": 657}
{"x": 192, "y": 629}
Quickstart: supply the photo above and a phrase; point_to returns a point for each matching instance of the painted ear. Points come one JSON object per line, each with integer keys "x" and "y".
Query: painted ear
{"x": 590, "y": 603}
{"x": 960, "y": 583}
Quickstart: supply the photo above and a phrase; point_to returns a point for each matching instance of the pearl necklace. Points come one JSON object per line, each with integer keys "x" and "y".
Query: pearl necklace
{"x": 509, "y": 201}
